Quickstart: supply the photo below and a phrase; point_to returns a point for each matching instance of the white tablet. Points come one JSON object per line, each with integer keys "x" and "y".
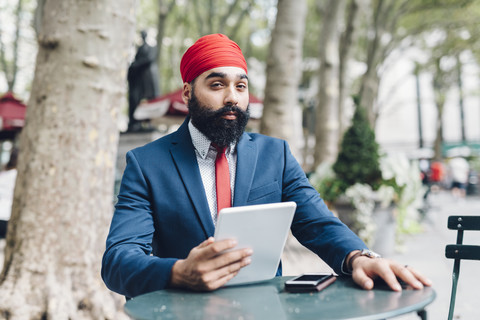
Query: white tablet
{"x": 264, "y": 228}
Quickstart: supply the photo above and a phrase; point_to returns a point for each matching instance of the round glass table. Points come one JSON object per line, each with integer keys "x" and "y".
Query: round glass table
{"x": 269, "y": 300}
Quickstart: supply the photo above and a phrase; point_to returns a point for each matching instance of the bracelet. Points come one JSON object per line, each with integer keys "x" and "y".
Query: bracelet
{"x": 350, "y": 262}
{"x": 365, "y": 253}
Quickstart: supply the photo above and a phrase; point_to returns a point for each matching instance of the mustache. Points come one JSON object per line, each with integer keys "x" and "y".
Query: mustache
{"x": 227, "y": 108}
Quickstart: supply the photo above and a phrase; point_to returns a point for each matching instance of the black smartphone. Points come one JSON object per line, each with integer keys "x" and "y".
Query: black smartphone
{"x": 309, "y": 282}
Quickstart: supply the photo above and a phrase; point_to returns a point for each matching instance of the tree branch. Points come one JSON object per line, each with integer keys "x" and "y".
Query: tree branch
{"x": 198, "y": 17}
{"x": 436, "y": 5}
{"x": 163, "y": 12}
{"x": 223, "y": 20}
{"x": 3, "y": 59}
{"x": 15, "y": 45}
{"x": 38, "y": 17}
{"x": 236, "y": 27}
{"x": 211, "y": 14}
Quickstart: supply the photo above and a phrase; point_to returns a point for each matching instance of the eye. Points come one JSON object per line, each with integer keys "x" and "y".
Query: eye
{"x": 216, "y": 84}
{"x": 242, "y": 86}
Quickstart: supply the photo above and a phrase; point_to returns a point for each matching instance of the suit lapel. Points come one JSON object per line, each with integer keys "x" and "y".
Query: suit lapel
{"x": 183, "y": 154}
{"x": 246, "y": 163}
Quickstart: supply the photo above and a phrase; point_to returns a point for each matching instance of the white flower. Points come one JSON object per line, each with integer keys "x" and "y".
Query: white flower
{"x": 362, "y": 198}
{"x": 403, "y": 187}
{"x": 323, "y": 171}
{"x": 385, "y": 195}
{"x": 395, "y": 166}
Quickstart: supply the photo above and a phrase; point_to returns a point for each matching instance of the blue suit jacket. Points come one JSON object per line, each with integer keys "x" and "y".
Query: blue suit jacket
{"x": 162, "y": 210}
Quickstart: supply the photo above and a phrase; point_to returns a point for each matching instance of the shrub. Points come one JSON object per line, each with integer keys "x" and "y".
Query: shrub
{"x": 358, "y": 160}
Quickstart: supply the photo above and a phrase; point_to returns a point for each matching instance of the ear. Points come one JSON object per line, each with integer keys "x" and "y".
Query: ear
{"x": 187, "y": 92}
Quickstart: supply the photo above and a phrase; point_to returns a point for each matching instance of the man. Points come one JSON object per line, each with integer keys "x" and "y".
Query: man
{"x": 459, "y": 171}
{"x": 161, "y": 232}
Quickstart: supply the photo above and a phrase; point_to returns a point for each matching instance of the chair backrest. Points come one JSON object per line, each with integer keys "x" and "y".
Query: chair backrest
{"x": 461, "y": 251}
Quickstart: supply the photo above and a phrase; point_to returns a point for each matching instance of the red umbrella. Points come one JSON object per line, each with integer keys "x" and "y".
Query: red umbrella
{"x": 12, "y": 113}
{"x": 172, "y": 104}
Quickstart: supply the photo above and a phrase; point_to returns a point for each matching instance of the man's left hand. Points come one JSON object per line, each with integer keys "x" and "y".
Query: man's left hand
{"x": 366, "y": 270}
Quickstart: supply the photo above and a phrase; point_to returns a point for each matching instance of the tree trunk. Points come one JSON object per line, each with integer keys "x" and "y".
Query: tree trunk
{"x": 282, "y": 113}
{"x": 11, "y": 83}
{"x": 460, "y": 98}
{"x": 439, "y": 91}
{"x": 164, "y": 9}
{"x": 437, "y": 144}
{"x": 64, "y": 191}
{"x": 370, "y": 80}
{"x": 10, "y": 69}
{"x": 327, "y": 121}
{"x": 346, "y": 42}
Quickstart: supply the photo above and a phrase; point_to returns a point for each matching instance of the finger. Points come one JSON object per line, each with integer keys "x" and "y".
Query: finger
{"x": 362, "y": 279}
{"x": 408, "y": 277}
{"x": 221, "y": 276}
{"x": 219, "y": 247}
{"x": 207, "y": 242}
{"x": 414, "y": 278}
{"x": 217, "y": 283}
{"x": 236, "y": 266}
{"x": 386, "y": 271}
{"x": 225, "y": 259}
{"x": 210, "y": 248}
{"x": 374, "y": 268}
{"x": 423, "y": 279}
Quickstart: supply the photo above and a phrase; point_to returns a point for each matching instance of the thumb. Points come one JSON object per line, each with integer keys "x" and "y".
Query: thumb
{"x": 362, "y": 279}
{"x": 207, "y": 242}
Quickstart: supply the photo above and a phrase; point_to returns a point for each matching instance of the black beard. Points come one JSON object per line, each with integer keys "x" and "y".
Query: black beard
{"x": 218, "y": 130}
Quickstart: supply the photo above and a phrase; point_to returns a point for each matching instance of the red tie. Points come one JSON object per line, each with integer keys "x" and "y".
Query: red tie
{"x": 222, "y": 179}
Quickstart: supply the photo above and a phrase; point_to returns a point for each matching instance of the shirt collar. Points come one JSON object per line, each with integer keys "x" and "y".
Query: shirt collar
{"x": 202, "y": 143}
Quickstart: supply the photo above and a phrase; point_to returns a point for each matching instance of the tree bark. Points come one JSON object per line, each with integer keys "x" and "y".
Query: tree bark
{"x": 327, "y": 121}
{"x": 347, "y": 39}
{"x": 370, "y": 80}
{"x": 386, "y": 15}
{"x": 282, "y": 113}
{"x": 64, "y": 191}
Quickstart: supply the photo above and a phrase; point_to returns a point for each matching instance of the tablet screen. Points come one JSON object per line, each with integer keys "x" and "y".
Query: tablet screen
{"x": 263, "y": 228}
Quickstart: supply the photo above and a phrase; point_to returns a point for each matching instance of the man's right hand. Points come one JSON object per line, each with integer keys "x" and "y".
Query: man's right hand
{"x": 208, "y": 267}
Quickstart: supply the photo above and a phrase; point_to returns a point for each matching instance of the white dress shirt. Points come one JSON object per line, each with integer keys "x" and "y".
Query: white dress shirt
{"x": 206, "y": 155}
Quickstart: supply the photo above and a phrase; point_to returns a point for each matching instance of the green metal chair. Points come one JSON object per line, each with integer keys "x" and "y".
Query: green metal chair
{"x": 461, "y": 251}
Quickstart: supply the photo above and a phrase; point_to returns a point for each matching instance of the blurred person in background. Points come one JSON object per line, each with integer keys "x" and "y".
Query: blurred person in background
{"x": 425, "y": 174}
{"x": 437, "y": 171}
{"x": 142, "y": 79}
{"x": 459, "y": 170}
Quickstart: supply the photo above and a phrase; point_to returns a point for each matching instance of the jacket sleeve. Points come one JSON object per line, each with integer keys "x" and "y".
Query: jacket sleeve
{"x": 314, "y": 225}
{"x": 128, "y": 267}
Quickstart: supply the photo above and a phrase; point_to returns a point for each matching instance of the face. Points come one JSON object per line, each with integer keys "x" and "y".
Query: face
{"x": 218, "y": 103}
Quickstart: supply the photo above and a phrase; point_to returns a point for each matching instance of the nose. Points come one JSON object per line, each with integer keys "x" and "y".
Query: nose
{"x": 231, "y": 96}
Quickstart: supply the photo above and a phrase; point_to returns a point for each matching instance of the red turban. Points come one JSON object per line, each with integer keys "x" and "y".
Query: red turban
{"x": 211, "y": 51}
